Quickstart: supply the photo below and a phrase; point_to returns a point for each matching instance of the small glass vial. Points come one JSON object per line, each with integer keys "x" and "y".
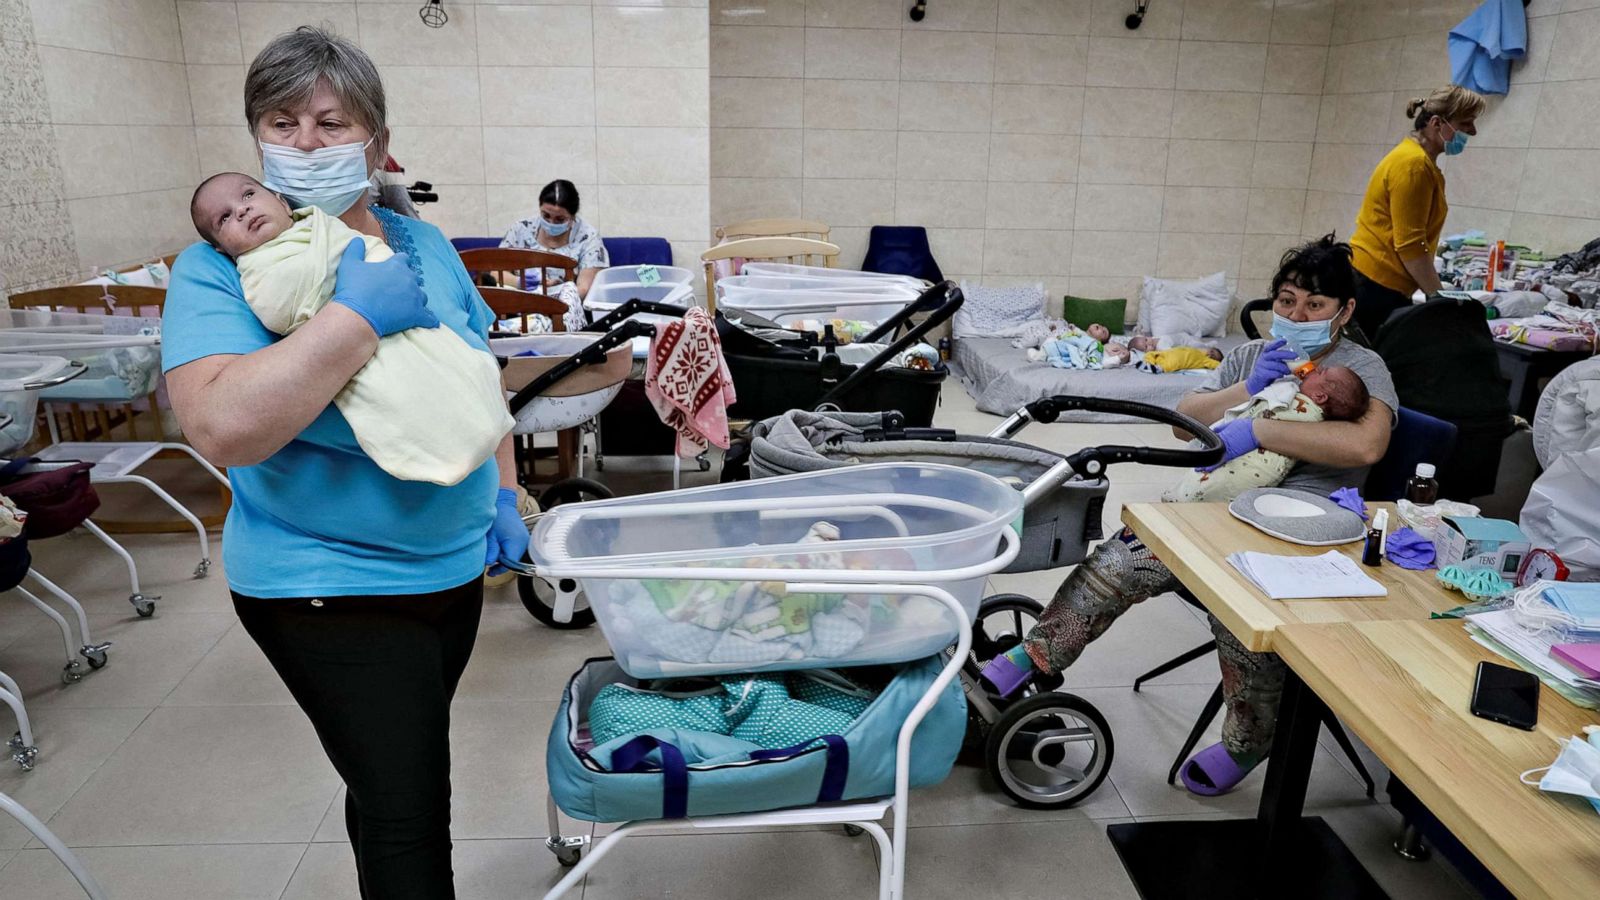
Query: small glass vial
{"x": 1423, "y": 489}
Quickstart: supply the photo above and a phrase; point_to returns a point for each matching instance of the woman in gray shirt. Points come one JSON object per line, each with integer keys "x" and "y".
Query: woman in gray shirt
{"x": 1313, "y": 298}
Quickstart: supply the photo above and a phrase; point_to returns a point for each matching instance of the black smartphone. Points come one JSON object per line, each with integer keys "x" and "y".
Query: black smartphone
{"x": 1506, "y": 695}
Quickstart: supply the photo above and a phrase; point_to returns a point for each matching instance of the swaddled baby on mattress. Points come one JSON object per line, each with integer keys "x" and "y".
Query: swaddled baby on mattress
{"x": 427, "y": 406}
{"x": 1331, "y": 394}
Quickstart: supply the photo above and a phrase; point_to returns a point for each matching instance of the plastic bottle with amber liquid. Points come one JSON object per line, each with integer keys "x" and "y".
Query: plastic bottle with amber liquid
{"x": 1423, "y": 488}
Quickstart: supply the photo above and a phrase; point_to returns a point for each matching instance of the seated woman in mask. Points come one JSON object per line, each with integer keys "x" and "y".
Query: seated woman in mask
{"x": 556, "y": 228}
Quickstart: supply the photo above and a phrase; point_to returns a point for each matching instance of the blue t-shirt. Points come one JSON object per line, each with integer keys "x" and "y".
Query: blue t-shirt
{"x": 319, "y": 517}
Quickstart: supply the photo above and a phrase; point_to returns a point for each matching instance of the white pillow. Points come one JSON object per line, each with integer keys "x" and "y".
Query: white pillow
{"x": 997, "y": 311}
{"x": 1195, "y": 309}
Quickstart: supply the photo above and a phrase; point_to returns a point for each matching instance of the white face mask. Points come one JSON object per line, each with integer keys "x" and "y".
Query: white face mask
{"x": 1575, "y": 771}
{"x": 333, "y": 179}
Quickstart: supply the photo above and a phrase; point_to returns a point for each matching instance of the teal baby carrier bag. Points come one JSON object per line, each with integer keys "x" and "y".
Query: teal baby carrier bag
{"x": 673, "y": 772}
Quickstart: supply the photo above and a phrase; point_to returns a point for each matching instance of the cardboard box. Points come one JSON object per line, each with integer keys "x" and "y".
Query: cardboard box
{"x": 1473, "y": 542}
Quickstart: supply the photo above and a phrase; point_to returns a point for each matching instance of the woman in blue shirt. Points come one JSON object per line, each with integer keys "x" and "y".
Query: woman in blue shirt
{"x": 363, "y": 591}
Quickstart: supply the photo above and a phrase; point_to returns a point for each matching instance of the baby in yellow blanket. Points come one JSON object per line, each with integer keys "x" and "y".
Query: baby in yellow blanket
{"x": 427, "y": 406}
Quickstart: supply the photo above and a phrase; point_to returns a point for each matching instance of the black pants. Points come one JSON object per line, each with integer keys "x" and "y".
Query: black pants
{"x": 1374, "y": 303}
{"x": 376, "y": 675}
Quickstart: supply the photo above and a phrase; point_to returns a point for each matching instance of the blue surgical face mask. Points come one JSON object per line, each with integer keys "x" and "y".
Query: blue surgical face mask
{"x": 1456, "y": 144}
{"x": 1306, "y": 338}
{"x": 333, "y": 179}
{"x": 554, "y": 229}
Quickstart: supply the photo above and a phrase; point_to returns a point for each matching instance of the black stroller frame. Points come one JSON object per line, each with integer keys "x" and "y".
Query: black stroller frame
{"x": 770, "y": 375}
{"x": 1044, "y": 749}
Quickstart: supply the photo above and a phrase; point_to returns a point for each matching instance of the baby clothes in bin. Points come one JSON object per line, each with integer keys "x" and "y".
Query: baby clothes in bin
{"x": 771, "y": 711}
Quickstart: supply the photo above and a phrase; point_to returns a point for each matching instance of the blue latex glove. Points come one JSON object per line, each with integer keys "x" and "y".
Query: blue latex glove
{"x": 386, "y": 293}
{"x": 1238, "y": 438}
{"x": 1350, "y": 498}
{"x": 1272, "y": 364}
{"x": 508, "y": 536}
{"x": 1409, "y": 550}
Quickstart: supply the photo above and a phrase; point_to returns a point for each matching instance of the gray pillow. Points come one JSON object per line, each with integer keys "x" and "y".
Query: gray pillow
{"x": 1298, "y": 517}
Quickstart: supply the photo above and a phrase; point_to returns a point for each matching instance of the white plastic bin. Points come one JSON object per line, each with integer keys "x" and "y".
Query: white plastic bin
{"x": 615, "y": 286}
{"x": 892, "y": 523}
{"x": 121, "y": 367}
{"x": 789, "y": 307}
{"x": 757, "y": 267}
{"x": 16, "y": 400}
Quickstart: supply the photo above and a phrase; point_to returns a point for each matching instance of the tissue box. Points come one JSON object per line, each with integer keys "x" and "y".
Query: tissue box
{"x": 1477, "y": 543}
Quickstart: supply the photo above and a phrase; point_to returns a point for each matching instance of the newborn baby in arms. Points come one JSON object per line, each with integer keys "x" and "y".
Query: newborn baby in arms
{"x": 427, "y": 406}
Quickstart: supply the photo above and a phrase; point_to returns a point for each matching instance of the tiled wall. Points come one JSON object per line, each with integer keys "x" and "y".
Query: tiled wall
{"x": 1532, "y": 173}
{"x": 1036, "y": 139}
{"x": 501, "y": 100}
{"x": 123, "y": 133}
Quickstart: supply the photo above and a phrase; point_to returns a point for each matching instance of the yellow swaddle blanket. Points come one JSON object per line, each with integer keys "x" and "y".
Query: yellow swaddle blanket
{"x": 427, "y": 406}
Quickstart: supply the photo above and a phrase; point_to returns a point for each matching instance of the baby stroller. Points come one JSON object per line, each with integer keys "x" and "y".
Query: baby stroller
{"x": 777, "y": 369}
{"x": 573, "y": 377}
{"x": 896, "y": 580}
{"x": 1045, "y": 749}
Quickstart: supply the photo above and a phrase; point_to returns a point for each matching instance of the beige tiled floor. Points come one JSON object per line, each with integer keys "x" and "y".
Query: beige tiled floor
{"x": 183, "y": 771}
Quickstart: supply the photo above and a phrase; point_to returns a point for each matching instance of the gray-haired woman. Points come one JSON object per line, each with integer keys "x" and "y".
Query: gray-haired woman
{"x": 363, "y": 591}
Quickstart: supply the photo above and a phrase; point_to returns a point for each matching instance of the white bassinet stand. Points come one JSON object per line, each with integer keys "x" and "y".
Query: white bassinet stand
{"x": 46, "y": 837}
{"x": 115, "y": 463}
{"x": 945, "y": 584}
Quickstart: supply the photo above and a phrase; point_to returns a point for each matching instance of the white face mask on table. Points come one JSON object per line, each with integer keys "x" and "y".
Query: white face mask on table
{"x": 1575, "y": 771}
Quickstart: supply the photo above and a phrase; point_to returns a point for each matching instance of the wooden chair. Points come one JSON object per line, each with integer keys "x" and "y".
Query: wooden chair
{"x": 502, "y": 262}
{"x": 800, "y": 228}
{"x": 507, "y": 303}
{"x": 81, "y": 422}
{"x": 801, "y": 251}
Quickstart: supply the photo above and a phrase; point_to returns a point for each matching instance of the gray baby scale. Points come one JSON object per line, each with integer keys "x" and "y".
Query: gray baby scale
{"x": 1057, "y": 527}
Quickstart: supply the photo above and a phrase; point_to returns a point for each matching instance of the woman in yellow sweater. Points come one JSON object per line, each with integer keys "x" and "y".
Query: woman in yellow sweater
{"x": 1402, "y": 214}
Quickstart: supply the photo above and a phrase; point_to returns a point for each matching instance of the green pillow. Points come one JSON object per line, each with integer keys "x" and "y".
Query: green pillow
{"x": 1084, "y": 311}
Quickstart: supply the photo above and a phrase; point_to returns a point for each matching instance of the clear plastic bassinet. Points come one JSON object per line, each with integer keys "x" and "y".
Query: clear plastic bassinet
{"x": 715, "y": 579}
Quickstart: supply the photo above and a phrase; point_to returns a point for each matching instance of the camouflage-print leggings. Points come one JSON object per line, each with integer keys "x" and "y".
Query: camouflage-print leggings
{"x": 1122, "y": 572}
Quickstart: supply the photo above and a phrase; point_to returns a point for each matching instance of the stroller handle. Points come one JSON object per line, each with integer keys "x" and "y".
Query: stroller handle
{"x": 1091, "y": 462}
{"x": 594, "y": 353}
{"x": 940, "y": 301}
{"x": 633, "y": 306}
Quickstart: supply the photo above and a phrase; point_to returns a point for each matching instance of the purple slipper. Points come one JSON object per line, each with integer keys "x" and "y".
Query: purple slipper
{"x": 1218, "y": 767}
{"x": 1005, "y": 676}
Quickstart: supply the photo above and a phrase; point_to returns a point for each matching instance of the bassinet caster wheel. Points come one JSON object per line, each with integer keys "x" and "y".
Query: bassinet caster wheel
{"x": 539, "y": 596}
{"x": 72, "y": 672}
{"x": 854, "y": 830}
{"x": 144, "y": 604}
{"x": 1050, "y": 750}
{"x": 568, "y": 850}
{"x": 95, "y": 654}
{"x": 203, "y": 568}
{"x": 21, "y": 754}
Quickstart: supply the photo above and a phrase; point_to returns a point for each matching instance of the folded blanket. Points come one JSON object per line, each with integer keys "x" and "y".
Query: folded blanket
{"x": 1073, "y": 351}
{"x": 427, "y": 406}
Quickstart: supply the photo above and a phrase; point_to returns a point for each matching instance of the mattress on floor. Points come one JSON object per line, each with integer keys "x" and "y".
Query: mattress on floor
{"x": 1001, "y": 380}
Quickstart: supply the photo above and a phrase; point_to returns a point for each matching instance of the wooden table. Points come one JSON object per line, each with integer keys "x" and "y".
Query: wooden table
{"x": 1194, "y": 540}
{"x": 1280, "y": 852}
{"x": 1404, "y": 687}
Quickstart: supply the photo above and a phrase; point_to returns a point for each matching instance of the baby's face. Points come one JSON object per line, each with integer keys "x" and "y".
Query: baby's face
{"x": 239, "y": 215}
{"x": 1334, "y": 388}
{"x": 1099, "y": 332}
{"x": 1117, "y": 351}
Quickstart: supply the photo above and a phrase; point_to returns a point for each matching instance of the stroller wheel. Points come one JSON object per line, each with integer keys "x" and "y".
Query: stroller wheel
{"x": 539, "y": 597}
{"x": 573, "y": 490}
{"x": 1003, "y": 621}
{"x": 1050, "y": 750}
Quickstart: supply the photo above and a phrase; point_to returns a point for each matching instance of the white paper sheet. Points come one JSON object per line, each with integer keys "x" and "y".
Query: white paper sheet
{"x": 1329, "y": 576}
